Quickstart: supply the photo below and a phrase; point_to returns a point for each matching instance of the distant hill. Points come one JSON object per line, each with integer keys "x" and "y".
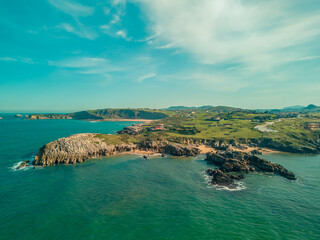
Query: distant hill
{"x": 311, "y": 108}
{"x": 204, "y": 108}
{"x": 302, "y": 109}
{"x": 293, "y": 108}
{"x": 125, "y": 114}
{"x": 143, "y": 113}
{"x": 101, "y": 114}
{"x": 178, "y": 108}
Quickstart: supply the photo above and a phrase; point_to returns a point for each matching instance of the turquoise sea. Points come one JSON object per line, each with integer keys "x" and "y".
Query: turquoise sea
{"x": 127, "y": 197}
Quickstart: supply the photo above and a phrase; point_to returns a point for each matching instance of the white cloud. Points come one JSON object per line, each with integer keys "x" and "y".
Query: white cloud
{"x": 258, "y": 34}
{"x": 72, "y": 8}
{"x": 115, "y": 11}
{"x": 79, "y": 62}
{"x": 80, "y": 30}
{"x": 75, "y": 10}
{"x": 308, "y": 58}
{"x": 142, "y": 78}
{"x": 17, "y": 59}
{"x": 86, "y": 65}
{"x": 123, "y": 34}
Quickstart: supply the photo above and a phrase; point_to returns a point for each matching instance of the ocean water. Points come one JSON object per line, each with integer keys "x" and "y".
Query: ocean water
{"x": 127, "y": 197}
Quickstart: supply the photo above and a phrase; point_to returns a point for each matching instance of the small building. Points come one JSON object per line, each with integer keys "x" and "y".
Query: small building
{"x": 313, "y": 125}
{"x": 216, "y": 119}
{"x": 158, "y": 127}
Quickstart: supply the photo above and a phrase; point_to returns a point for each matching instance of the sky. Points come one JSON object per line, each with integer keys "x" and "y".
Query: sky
{"x": 70, "y": 55}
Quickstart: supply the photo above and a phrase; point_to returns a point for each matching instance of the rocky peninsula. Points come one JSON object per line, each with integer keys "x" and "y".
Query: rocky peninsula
{"x": 80, "y": 147}
{"x": 233, "y": 164}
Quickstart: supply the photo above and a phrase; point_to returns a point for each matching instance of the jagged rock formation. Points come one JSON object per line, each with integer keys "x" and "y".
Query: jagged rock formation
{"x": 234, "y": 163}
{"x": 223, "y": 179}
{"x": 132, "y": 130}
{"x": 80, "y": 147}
{"x": 23, "y": 164}
{"x": 307, "y": 146}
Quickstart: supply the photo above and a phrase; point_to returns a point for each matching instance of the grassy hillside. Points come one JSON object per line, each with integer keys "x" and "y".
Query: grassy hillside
{"x": 292, "y": 134}
{"x": 128, "y": 114}
{"x": 218, "y": 109}
{"x": 207, "y": 125}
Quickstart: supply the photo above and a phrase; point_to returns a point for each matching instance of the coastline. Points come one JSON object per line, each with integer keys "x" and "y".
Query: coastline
{"x": 233, "y": 160}
{"x": 121, "y": 120}
{"x": 206, "y": 149}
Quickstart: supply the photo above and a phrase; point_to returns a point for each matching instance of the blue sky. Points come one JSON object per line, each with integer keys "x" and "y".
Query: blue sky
{"x": 69, "y": 55}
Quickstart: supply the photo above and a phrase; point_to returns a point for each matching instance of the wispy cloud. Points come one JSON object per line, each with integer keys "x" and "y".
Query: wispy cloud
{"x": 114, "y": 27}
{"x": 17, "y": 59}
{"x": 76, "y": 10}
{"x": 80, "y": 30}
{"x": 258, "y": 34}
{"x": 86, "y": 65}
{"x": 123, "y": 34}
{"x": 144, "y": 77}
{"x": 72, "y": 8}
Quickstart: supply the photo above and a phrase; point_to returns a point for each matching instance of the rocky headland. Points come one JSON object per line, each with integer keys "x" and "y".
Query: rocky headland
{"x": 80, "y": 147}
{"x": 232, "y": 164}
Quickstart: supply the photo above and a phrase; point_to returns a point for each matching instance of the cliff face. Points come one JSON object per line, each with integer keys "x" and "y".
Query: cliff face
{"x": 48, "y": 116}
{"x": 80, "y": 147}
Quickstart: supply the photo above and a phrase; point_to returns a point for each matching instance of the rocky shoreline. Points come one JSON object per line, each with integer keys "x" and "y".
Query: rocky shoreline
{"x": 80, "y": 147}
{"x": 232, "y": 164}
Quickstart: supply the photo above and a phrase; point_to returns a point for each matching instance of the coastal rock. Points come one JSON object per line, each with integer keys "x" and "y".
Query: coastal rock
{"x": 80, "y": 147}
{"x": 174, "y": 149}
{"x": 18, "y": 116}
{"x": 236, "y": 162}
{"x": 23, "y": 164}
{"x": 309, "y": 146}
{"x": 1, "y": 118}
{"x": 222, "y": 178}
{"x": 76, "y": 149}
{"x": 131, "y": 130}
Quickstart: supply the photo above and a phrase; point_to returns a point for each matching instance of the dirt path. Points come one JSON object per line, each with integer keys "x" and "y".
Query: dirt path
{"x": 264, "y": 127}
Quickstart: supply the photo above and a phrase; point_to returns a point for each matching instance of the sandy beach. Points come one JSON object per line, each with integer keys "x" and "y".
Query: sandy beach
{"x": 122, "y": 120}
{"x": 205, "y": 149}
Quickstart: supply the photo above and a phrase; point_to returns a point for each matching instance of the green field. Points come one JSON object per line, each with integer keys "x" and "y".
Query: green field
{"x": 291, "y": 134}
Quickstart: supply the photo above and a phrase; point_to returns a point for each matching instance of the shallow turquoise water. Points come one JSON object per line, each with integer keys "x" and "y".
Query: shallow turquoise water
{"x": 127, "y": 197}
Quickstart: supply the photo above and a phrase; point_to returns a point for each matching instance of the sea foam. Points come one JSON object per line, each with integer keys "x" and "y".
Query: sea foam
{"x": 237, "y": 186}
